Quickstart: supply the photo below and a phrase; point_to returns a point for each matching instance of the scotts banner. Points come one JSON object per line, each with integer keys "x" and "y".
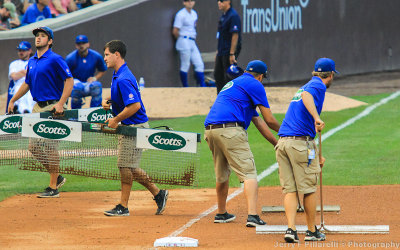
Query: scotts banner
{"x": 10, "y": 124}
{"x": 51, "y": 129}
{"x": 97, "y": 115}
{"x": 166, "y": 140}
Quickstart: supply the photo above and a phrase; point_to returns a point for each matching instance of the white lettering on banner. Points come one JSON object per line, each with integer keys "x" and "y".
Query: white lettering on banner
{"x": 8, "y": 125}
{"x": 49, "y": 130}
{"x": 273, "y": 19}
{"x": 159, "y": 140}
{"x": 96, "y": 117}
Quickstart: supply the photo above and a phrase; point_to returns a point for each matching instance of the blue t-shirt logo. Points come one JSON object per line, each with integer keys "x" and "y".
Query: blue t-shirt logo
{"x": 297, "y": 96}
{"x": 227, "y": 86}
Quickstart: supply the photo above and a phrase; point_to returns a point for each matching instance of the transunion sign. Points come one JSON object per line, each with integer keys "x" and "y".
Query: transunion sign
{"x": 94, "y": 115}
{"x": 280, "y": 15}
{"x": 51, "y": 129}
{"x": 166, "y": 140}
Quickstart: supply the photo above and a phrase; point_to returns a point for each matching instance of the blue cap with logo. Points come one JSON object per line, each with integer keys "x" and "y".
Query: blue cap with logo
{"x": 44, "y": 29}
{"x": 81, "y": 39}
{"x": 325, "y": 65}
{"x": 257, "y": 66}
{"x": 24, "y": 45}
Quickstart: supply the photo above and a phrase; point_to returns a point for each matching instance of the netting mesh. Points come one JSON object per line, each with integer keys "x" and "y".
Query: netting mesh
{"x": 99, "y": 155}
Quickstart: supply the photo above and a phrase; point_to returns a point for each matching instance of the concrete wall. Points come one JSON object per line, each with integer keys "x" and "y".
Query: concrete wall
{"x": 360, "y": 35}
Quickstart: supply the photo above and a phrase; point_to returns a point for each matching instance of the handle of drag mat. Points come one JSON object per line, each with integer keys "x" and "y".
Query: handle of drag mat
{"x": 108, "y": 130}
{"x": 166, "y": 127}
{"x": 320, "y": 181}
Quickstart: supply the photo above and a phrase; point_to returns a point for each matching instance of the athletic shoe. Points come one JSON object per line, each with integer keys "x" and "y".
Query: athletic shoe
{"x": 291, "y": 236}
{"x": 314, "y": 236}
{"x": 118, "y": 210}
{"x": 49, "y": 193}
{"x": 161, "y": 200}
{"x": 60, "y": 181}
{"x": 254, "y": 220}
{"x": 224, "y": 218}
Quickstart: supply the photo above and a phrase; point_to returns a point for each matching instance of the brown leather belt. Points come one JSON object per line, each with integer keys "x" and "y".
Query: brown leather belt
{"x": 225, "y": 125}
{"x": 46, "y": 103}
{"x": 301, "y": 138}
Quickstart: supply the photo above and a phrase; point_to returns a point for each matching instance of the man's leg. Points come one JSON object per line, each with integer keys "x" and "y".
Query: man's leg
{"x": 126, "y": 185}
{"x": 219, "y": 74}
{"x": 185, "y": 65}
{"x": 222, "y": 194}
{"x": 96, "y": 93}
{"x": 78, "y": 92}
{"x": 251, "y": 191}
{"x": 141, "y": 176}
{"x": 290, "y": 203}
{"x": 198, "y": 65}
{"x": 310, "y": 207}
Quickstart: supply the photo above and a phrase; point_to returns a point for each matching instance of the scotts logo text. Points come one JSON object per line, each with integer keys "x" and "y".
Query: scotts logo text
{"x": 11, "y": 124}
{"x": 99, "y": 115}
{"x": 51, "y": 130}
{"x": 167, "y": 141}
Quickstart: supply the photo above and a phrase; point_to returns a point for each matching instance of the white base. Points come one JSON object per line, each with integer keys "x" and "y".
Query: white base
{"x": 176, "y": 242}
{"x": 330, "y": 229}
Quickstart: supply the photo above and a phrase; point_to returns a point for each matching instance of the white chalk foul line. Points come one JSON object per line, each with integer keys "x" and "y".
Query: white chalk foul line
{"x": 274, "y": 166}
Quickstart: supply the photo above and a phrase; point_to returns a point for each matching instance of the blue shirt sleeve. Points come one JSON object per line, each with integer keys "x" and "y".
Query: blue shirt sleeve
{"x": 257, "y": 95}
{"x": 235, "y": 24}
{"x": 47, "y": 12}
{"x": 62, "y": 68}
{"x": 128, "y": 92}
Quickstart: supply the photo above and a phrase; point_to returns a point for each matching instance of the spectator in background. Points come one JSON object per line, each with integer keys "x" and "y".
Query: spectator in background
{"x": 27, "y": 3}
{"x": 8, "y": 16}
{"x": 229, "y": 42}
{"x": 83, "y": 63}
{"x": 16, "y": 74}
{"x": 87, "y": 3}
{"x": 37, "y": 12}
{"x": 62, "y": 7}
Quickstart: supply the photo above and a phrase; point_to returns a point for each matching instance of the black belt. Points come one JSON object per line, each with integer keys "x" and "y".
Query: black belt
{"x": 301, "y": 138}
{"x": 43, "y": 104}
{"x": 225, "y": 125}
{"x": 188, "y": 37}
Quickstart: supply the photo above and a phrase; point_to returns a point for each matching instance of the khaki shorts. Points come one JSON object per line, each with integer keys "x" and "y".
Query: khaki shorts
{"x": 230, "y": 149}
{"x": 128, "y": 155}
{"x": 294, "y": 171}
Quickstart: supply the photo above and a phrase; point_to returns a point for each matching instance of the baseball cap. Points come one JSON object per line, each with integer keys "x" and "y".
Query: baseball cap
{"x": 81, "y": 39}
{"x": 257, "y": 66}
{"x": 44, "y": 29}
{"x": 24, "y": 45}
{"x": 10, "y": 7}
{"x": 325, "y": 65}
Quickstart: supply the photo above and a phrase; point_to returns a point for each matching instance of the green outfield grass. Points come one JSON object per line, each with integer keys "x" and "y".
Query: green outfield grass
{"x": 365, "y": 153}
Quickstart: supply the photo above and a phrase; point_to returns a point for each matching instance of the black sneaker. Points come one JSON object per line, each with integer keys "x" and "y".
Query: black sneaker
{"x": 314, "y": 236}
{"x": 49, "y": 193}
{"x": 224, "y": 218}
{"x": 161, "y": 200}
{"x": 291, "y": 236}
{"x": 119, "y": 210}
{"x": 60, "y": 181}
{"x": 254, "y": 220}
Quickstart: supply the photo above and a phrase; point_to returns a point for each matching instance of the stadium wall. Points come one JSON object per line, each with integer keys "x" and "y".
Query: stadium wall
{"x": 360, "y": 35}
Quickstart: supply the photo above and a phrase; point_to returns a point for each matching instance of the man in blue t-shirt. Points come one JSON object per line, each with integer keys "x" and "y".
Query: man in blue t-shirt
{"x": 37, "y": 12}
{"x": 229, "y": 42}
{"x": 296, "y": 151}
{"x": 226, "y": 125}
{"x": 128, "y": 108}
{"x": 83, "y": 63}
{"x": 50, "y": 82}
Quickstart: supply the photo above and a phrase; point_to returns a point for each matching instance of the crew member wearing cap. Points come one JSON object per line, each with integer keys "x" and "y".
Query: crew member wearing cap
{"x": 37, "y": 12}
{"x": 16, "y": 75}
{"x": 50, "y": 82}
{"x": 296, "y": 151}
{"x": 225, "y": 133}
{"x": 83, "y": 63}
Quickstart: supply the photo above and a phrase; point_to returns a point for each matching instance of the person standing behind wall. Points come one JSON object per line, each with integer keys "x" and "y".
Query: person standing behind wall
{"x": 185, "y": 32}
{"x": 229, "y": 42}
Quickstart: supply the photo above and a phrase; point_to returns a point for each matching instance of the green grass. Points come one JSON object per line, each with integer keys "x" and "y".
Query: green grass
{"x": 365, "y": 153}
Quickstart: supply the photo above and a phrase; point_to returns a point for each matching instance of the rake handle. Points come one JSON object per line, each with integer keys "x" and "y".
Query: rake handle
{"x": 320, "y": 180}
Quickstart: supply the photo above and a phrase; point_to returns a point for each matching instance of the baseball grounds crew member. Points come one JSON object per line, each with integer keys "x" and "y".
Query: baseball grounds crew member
{"x": 296, "y": 151}
{"x": 50, "y": 82}
{"x": 128, "y": 109}
{"x": 83, "y": 63}
{"x": 185, "y": 32}
{"x": 229, "y": 42}
{"x": 225, "y": 133}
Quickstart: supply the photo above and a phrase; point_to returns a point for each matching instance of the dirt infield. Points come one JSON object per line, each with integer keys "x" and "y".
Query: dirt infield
{"x": 76, "y": 221}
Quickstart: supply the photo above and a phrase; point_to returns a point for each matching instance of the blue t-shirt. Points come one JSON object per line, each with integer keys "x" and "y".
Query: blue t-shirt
{"x": 237, "y": 102}
{"x": 84, "y": 67}
{"x": 46, "y": 75}
{"x": 298, "y": 121}
{"x": 125, "y": 91}
{"x": 228, "y": 23}
{"x": 33, "y": 14}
